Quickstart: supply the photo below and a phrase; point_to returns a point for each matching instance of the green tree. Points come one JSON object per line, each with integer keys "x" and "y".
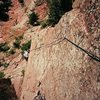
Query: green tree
{"x": 2, "y": 74}
{"x": 26, "y": 46}
{"x": 55, "y": 12}
{"x": 4, "y": 47}
{"x": 56, "y": 9}
{"x": 33, "y": 18}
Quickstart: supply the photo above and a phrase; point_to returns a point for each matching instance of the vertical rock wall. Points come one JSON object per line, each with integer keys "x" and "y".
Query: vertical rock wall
{"x": 59, "y": 70}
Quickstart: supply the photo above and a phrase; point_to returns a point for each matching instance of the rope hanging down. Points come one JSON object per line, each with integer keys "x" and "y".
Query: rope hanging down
{"x": 61, "y": 40}
{"x": 85, "y": 51}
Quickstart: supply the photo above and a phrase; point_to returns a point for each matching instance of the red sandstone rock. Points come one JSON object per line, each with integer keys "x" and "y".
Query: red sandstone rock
{"x": 56, "y": 68}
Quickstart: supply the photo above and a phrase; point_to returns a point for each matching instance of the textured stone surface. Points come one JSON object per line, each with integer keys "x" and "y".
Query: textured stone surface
{"x": 18, "y": 18}
{"x": 60, "y": 71}
{"x": 56, "y": 69}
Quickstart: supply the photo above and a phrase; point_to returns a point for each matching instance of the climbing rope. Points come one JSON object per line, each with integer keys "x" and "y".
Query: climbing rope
{"x": 94, "y": 57}
{"x": 85, "y": 51}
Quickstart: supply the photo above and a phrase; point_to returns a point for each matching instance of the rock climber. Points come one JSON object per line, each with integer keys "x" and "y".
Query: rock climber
{"x": 25, "y": 55}
{"x": 39, "y": 96}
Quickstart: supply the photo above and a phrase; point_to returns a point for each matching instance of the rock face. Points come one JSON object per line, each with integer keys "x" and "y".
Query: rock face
{"x": 18, "y": 17}
{"x": 57, "y": 69}
{"x": 64, "y": 61}
{"x": 17, "y": 25}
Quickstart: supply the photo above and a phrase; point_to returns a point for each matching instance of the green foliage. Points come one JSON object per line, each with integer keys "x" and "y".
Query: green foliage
{"x": 19, "y": 38}
{"x": 33, "y": 18}
{"x": 26, "y": 46}
{"x": 5, "y": 65}
{"x": 55, "y": 12}
{"x": 2, "y": 74}
{"x": 4, "y": 47}
{"x": 17, "y": 42}
{"x": 56, "y": 9}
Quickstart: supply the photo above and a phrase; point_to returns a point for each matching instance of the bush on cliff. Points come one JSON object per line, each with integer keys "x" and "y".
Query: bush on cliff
{"x": 4, "y": 47}
{"x": 56, "y": 9}
{"x": 55, "y": 12}
{"x": 33, "y": 18}
{"x": 16, "y": 43}
{"x": 2, "y": 74}
{"x": 26, "y": 46}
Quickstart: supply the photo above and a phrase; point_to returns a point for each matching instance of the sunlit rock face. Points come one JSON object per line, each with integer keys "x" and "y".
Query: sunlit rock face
{"x": 57, "y": 69}
{"x": 16, "y": 26}
{"x": 18, "y": 17}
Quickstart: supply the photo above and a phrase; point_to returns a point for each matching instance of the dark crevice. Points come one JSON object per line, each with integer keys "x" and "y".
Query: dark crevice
{"x": 4, "y": 16}
{"x": 66, "y": 5}
{"x": 7, "y": 91}
{"x": 57, "y": 8}
{"x": 4, "y": 8}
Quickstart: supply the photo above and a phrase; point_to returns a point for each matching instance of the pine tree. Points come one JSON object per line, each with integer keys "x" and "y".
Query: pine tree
{"x": 55, "y": 11}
